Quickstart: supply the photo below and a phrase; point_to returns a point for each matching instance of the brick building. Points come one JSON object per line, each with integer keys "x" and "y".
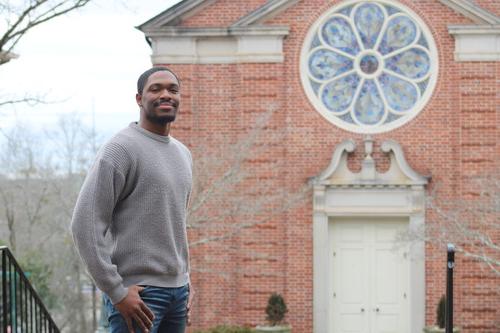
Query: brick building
{"x": 324, "y": 132}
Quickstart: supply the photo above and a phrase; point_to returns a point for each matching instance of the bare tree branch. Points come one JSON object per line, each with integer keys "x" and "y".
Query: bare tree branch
{"x": 471, "y": 223}
{"x": 26, "y": 100}
{"x": 37, "y": 197}
{"x": 223, "y": 201}
{"x": 236, "y": 228}
{"x": 32, "y": 13}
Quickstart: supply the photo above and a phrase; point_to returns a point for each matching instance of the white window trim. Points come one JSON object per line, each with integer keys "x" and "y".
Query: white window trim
{"x": 360, "y": 128}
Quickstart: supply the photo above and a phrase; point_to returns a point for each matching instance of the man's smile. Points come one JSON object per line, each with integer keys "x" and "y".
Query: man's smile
{"x": 166, "y": 105}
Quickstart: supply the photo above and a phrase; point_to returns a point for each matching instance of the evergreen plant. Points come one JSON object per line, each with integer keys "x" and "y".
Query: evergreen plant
{"x": 276, "y": 309}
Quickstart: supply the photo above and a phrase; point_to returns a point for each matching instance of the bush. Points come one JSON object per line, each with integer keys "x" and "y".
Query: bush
{"x": 441, "y": 312}
{"x": 227, "y": 329}
{"x": 276, "y": 309}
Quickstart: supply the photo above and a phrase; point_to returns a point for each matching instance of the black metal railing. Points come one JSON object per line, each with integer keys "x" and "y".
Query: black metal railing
{"x": 22, "y": 310}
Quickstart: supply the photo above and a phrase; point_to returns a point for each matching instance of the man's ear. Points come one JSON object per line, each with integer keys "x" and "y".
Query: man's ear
{"x": 138, "y": 99}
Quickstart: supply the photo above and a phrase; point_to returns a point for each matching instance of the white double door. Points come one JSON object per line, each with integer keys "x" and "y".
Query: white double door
{"x": 369, "y": 276}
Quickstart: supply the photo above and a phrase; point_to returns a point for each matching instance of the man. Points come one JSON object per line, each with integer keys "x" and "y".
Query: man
{"x": 129, "y": 223}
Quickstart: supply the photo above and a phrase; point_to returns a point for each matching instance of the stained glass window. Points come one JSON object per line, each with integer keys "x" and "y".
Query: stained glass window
{"x": 369, "y": 66}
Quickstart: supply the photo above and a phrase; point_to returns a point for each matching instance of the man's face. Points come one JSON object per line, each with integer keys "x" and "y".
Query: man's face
{"x": 160, "y": 98}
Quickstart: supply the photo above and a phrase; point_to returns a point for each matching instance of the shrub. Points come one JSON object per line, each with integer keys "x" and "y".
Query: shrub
{"x": 276, "y": 309}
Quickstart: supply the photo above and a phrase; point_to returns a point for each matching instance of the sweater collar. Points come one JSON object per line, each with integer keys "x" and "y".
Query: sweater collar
{"x": 154, "y": 136}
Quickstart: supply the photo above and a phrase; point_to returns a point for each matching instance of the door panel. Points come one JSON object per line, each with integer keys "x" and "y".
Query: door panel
{"x": 369, "y": 276}
{"x": 350, "y": 258}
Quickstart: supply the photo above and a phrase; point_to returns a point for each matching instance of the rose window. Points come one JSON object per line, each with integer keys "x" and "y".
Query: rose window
{"x": 369, "y": 67}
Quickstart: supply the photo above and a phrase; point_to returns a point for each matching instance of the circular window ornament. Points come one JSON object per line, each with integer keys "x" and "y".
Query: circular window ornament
{"x": 369, "y": 66}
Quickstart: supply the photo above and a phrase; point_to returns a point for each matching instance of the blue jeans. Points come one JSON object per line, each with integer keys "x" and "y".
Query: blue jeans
{"x": 169, "y": 306}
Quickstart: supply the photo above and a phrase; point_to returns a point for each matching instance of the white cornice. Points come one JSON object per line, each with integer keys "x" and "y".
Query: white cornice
{"x": 173, "y": 15}
{"x": 216, "y": 31}
{"x": 476, "y": 42}
{"x": 472, "y": 11}
{"x": 176, "y": 45}
{"x": 474, "y": 29}
{"x": 268, "y": 10}
{"x": 464, "y": 7}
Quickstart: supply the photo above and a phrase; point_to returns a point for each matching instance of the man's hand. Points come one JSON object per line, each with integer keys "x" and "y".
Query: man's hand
{"x": 190, "y": 302}
{"x": 132, "y": 308}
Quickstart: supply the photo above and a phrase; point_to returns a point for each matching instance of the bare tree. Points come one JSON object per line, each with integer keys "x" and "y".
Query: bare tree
{"x": 228, "y": 194}
{"x": 19, "y": 18}
{"x": 74, "y": 146}
{"x": 471, "y": 222}
{"x": 22, "y": 190}
{"x": 22, "y": 16}
{"x": 9, "y": 213}
{"x": 38, "y": 189}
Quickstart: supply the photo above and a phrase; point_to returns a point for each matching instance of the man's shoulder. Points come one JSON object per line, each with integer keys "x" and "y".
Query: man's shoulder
{"x": 120, "y": 146}
{"x": 126, "y": 138}
{"x": 181, "y": 146}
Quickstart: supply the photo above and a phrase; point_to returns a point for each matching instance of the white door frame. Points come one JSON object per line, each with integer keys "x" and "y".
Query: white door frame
{"x": 399, "y": 192}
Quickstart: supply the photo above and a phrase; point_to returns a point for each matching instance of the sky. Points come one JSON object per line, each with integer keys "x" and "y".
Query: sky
{"x": 86, "y": 62}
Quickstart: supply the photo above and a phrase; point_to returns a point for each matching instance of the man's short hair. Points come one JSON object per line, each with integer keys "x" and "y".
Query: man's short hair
{"x": 141, "y": 82}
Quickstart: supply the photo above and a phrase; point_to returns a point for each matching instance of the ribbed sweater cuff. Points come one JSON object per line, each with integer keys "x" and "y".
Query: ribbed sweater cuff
{"x": 117, "y": 294}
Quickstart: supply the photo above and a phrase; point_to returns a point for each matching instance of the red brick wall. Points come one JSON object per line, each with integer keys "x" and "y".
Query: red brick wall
{"x": 491, "y": 5}
{"x": 453, "y": 138}
{"x": 222, "y": 13}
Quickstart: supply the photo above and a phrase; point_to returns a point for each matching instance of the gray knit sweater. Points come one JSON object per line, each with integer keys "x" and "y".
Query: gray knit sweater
{"x": 129, "y": 223}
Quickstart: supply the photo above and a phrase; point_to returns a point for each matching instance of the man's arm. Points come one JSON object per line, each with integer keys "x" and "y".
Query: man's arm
{"x": 92, "y": 218}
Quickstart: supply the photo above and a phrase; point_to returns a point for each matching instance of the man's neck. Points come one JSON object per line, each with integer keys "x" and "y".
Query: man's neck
{"x": 155, "y": 128}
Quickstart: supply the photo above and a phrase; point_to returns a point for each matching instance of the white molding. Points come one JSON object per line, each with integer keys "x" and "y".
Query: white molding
{"x": 216, "y": 31}
{"x": 338, "y": 192}
{"x": 472, "y": 11}
{"x": 265, "y": 12}
{"x": 175, "y": 14}
{"x": 399, "y": 175}
{"x": 339, "y": 158}
{"x": 476, "y": 43}
{"x": 188, "y": 8}
{"x": 178, "y": 45}
{"x": 399, "y": 163}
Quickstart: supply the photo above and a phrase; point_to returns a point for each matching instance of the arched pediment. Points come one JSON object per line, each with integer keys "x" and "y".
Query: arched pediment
{"x": 399, "y": 172}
